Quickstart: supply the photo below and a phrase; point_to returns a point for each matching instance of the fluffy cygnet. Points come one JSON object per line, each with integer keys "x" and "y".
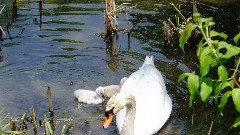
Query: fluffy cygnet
{"x": 87, "y": 96}
{"x": 97, "y": 97}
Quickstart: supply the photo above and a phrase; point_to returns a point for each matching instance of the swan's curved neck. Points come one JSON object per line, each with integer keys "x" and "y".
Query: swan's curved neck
{"x": 128, "y": 126}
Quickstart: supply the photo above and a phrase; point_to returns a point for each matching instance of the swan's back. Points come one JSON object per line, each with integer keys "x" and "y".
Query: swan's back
{"x": 148, "y": 88}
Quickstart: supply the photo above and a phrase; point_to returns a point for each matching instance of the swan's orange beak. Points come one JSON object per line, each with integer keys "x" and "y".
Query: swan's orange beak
{"x": 108, "y": 120}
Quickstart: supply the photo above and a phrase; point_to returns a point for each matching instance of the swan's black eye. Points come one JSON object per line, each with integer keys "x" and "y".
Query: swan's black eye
{"x": 109, "y": 112}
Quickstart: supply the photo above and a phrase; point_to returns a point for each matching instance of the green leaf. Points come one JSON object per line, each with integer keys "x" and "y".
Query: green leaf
{"x": 63, "y": 129}
{"x": 185, "y": 34}
{"x": 11, "y": 132}
{"x": 196, "y": 16}
{"x": 216, "y": 42}
{"x": 224, "y": 100}
{"x": 5, "y": 126}
{"x": 193, "y": 83}
{"x": 236, "y": 98}
{"x": 205, "y": 51}
{"x": 222, "y": 86}
{"x": 236, "y": 122}
{"x": 222, "y": 73}
{"x": 211, "y": 23}
{"x": 217, "y": 91}
{"x": 206, "y": 88}
{"x": 223, "y": 35}
{"x": 231, "y": 50}
{"x": 207, "y": 21}
{"x": 236, "y": 38}
{"x": 183, "y": 75}
{"x": 200, "y": 46}
{"x": 213, "y": 33}
{"x": 49, "y": 127}
{"x": 214, "y": 62}
{"x": 205, "y": 63}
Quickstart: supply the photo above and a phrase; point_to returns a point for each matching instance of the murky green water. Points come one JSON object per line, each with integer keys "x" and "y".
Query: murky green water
{"x": 62, "y": 46}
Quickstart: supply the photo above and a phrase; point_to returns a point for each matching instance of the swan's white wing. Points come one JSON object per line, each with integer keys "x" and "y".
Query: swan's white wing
{"x": 148, "y": 87}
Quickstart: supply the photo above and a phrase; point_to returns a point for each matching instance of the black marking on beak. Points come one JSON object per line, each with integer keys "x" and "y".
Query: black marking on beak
{"x": 109, "y": 112}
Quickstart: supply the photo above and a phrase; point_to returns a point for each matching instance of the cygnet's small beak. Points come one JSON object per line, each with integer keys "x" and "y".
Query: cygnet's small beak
{"x": 102, "y": 96}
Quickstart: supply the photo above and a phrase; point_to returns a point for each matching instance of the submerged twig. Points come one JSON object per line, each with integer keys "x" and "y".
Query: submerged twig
{"x": 2, "y": 9}
{"x": 173, "y": 25}
{"x": 179, "y": 12}
{"x": 209, "y": 132}
{"x": 1, "y": 29}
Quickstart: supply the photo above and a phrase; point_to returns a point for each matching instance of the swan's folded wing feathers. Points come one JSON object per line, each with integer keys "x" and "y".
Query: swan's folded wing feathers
{"x": 148, "y": 87}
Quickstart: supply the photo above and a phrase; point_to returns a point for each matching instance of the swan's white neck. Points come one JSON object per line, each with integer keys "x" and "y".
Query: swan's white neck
{"x": 128, "y": 126}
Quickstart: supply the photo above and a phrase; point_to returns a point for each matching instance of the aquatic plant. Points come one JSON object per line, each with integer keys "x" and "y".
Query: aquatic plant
{"x": 214, "y": 79}
{"x": 5, "y": 126}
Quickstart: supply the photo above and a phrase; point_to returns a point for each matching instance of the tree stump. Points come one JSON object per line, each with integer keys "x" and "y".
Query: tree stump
{"x": 110, "y": 18}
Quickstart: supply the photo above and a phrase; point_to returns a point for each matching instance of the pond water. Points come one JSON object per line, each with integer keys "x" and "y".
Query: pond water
{"x": 62, "y": 46}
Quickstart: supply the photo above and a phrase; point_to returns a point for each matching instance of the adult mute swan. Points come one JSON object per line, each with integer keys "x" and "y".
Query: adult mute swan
{"x": 152, "y": 105}
{"x": 97, "y": 96}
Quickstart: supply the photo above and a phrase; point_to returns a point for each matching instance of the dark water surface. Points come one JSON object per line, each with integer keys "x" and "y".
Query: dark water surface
{"x": 65, "y": 48}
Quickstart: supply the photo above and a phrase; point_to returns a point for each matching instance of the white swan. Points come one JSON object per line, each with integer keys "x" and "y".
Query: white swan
{"x": 97, "y": 97}
{"x": 153, "y": 104}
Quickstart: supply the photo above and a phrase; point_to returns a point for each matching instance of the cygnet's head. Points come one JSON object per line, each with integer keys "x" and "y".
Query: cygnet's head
{"x": 87, "y": 96}
{"x": 100, "y": 92}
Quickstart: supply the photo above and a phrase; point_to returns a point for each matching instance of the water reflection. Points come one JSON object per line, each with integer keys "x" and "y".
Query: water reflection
{"x": 112, "y": 49}
{"x": 1, "y": 55}
{"x": 40, "y": 14}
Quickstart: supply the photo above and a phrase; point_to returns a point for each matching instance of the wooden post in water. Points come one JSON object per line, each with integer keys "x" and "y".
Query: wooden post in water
{"x": 32, "y": 112}
{"x": 46, "y": 129}
{"x": 51, "y": 111}
{"x": 14, "y": 10}
{"x": 13, "y": 125}
{"x": 109, "y": 17}
{"x": 50, "y": 100}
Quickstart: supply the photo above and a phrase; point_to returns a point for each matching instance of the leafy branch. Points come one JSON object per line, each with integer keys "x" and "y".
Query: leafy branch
{"x": 213, "y": 52}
